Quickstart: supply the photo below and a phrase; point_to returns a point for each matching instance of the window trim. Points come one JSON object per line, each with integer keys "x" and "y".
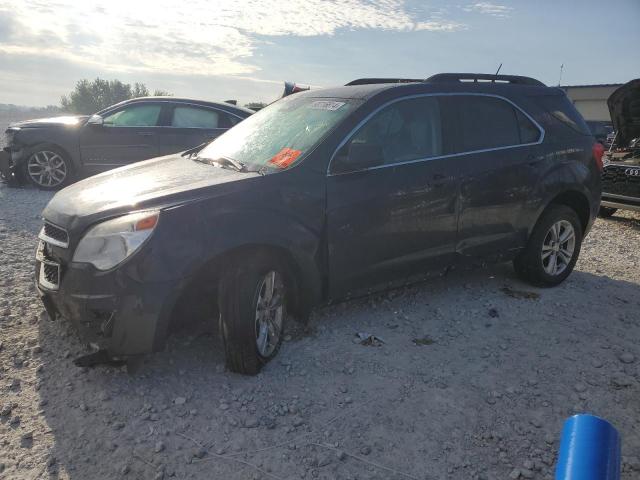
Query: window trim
{"x": 418, "y": 160}
{"x": 170, "y": 103}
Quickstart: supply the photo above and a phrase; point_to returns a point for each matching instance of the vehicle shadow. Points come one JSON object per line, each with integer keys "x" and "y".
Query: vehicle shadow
{"x": 631, "y": 219}
{"x": 181, "y": 406}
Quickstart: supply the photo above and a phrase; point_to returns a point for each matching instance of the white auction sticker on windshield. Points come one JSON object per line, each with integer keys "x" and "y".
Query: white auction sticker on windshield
{"x": 326, "y": 105}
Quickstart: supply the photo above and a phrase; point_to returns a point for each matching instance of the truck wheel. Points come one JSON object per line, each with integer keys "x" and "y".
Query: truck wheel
{"x": 606, "y": 212}
{"x": 252, "y": 302}
{"x": 48, "y": 168}
{"x": 553, "y": 248}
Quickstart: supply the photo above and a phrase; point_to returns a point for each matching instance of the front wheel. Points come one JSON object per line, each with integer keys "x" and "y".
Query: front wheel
{"x": 252, "y": 301}
{"x": 48, "y": 168}
{"x": 553, "y": 248}
{"x": 606, "y": 212}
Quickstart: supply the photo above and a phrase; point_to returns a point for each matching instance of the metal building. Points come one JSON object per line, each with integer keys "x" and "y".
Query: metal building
{"x": 591, "y": 100}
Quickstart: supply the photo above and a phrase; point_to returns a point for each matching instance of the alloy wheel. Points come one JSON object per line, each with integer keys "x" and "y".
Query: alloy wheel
{"x": 270, "y": 312}
{"x": 558, "y": 247}
{"x": 47, "y": 169}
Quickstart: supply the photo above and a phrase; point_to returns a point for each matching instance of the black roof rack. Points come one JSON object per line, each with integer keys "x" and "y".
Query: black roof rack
{"x": 455, "y": 78}
{"x": 372, "y": 81}
{"x": 483, "y": 77}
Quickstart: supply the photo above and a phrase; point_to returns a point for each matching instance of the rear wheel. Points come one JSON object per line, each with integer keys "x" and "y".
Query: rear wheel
{"x": 606, "y": 212}
{"x": 48, "y": 168}
{"x": 252, "y": 301}
{"x": 553, "y": 248}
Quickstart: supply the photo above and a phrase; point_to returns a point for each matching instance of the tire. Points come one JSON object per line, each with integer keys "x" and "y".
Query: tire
{"x": 606, "y": 212}
{"x": 48, "y": 168}
{"x": 242, "y": 286}
{"x": 536, "y": 266}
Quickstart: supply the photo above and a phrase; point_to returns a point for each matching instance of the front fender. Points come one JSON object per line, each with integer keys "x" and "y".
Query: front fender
{"x": 231, "y": 231}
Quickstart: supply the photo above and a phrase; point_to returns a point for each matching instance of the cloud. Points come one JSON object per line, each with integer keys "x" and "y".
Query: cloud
{"x": 488, "y": 8}
{"x": 199, "y": 37}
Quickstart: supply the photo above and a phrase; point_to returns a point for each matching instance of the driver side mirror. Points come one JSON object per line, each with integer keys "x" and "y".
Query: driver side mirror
{"x": 95, "y": 120}
{"x": 358, "y": 156}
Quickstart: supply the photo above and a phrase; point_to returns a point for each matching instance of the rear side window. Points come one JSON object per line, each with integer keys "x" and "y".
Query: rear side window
{"x": 488, "y": 122}
{"x": 562, "y": 110}
{"x": 529, "y": 133}
{"x": 233, "y": 120}
{"x": 190, "y": 117}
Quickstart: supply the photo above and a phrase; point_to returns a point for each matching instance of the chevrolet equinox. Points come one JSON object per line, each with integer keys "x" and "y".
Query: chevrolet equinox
{"x": 323, "y": 195}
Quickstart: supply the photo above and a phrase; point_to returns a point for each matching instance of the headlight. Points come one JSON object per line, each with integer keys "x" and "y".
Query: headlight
{"x": 110, "y": 243}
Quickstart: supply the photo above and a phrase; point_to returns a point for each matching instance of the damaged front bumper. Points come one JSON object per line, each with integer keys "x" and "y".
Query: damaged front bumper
{"x": 110, "y": 310}
{"x": 10, "y": 162}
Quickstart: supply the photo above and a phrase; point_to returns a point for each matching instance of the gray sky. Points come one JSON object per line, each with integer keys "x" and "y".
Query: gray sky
{"x": 244, "y": 49}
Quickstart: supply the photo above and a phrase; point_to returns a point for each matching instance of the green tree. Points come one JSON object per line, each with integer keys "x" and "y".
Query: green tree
{"x": 91, "y": 96}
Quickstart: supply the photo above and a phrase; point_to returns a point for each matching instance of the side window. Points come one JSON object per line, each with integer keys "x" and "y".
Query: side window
{"x": 192, "y": 117}
{"x": 563, "y": 110}
{"x": 529, "y": 133}
{"x": 134, "y": 116}
{"x": 233, "y": 120}
{"x": 486, "y": 122}
{"x": 403, "y": 131}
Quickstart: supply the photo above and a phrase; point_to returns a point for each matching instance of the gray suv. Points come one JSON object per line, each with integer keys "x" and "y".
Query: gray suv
{"x": 51, "y": 153}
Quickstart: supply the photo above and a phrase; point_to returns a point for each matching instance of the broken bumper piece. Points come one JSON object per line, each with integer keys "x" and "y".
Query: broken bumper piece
{"x": 111, "y": 311}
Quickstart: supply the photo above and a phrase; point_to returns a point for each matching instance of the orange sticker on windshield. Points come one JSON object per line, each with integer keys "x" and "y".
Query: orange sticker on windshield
{"x": 284, "y": 157}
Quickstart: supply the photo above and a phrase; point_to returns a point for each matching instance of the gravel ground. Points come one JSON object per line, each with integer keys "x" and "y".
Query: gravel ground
{"x": 473, "y": 380}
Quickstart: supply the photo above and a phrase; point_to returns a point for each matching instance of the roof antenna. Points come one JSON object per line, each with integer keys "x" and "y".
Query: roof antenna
{"x": 560, "y": 79}
{"x": 498, "y": 71}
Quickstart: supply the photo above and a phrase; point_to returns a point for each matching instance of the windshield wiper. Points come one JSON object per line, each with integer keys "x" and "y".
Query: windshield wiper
{"x": 194, "y": 150}
{"x": 224, "y": 162}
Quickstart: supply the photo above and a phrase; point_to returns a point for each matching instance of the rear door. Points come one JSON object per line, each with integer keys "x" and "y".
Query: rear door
{"x": 498, "y": 159}
{"x": 188, "y": 126}
{"x": 128, "y": 134}
{"x": 391, "y": 198}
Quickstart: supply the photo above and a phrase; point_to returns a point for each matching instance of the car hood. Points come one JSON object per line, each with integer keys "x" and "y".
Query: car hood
{"x": 67, "y": 121}
{"x": 624, "y": 107}
{"x": 156, "y": 183}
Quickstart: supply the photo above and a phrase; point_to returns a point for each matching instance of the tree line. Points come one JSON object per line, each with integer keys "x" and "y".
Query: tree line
{"x": 90, "y": 96}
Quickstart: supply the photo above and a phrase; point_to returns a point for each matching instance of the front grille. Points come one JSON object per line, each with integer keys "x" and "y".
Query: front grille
{"x": 617, "y": 182}
{"x": 49, "y": 274}
{"x": 54, "y": 235}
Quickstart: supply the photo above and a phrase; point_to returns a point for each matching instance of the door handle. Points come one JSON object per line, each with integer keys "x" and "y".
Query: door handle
{"x": 146, "y": 134}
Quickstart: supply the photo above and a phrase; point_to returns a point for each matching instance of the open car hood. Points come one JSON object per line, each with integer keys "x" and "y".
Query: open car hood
{"x": 624, "y": 107}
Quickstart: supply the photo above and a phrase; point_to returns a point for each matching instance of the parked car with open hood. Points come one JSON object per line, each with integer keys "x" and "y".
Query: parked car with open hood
{"x": 621, "y": 177}
{"x": 323, "y": 195}
{"x": 51, "y": 153}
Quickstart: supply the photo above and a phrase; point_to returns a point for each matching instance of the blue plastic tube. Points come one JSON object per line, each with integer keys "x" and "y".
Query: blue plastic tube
{"x": 589, "y": 450}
